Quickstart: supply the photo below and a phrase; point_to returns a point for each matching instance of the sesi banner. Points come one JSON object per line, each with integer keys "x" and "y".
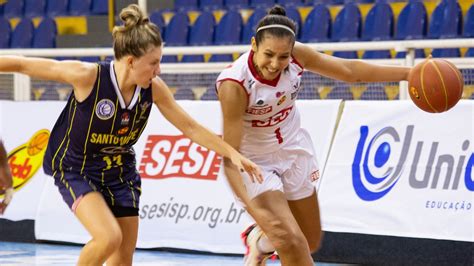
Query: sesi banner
{"x": 176, "y": 156}
{"x": 400, "y": 171}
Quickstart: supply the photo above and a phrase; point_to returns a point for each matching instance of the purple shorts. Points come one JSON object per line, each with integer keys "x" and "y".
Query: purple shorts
{"x": 120, "y": 191}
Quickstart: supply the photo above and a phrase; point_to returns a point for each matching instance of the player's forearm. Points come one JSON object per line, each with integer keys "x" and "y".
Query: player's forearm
{"x": 235, "y": 179}
{"x": 10, "y": 63}
{"x": 367, "y": 72}
{"x": 210, "y": 140}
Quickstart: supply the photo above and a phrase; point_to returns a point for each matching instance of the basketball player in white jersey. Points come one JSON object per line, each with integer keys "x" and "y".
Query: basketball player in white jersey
{"x": 6, "y": 180}
{"x": 257, "y": 95}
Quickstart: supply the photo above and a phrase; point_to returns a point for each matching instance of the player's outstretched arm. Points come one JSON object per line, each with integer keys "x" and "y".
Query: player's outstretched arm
{"x": 81, "y": 75}
{"x": 180, "y": 119}
{"x": 345, "y": 69}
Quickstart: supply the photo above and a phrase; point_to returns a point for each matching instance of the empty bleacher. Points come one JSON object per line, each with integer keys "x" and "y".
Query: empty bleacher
{"x": 84, "y": 23}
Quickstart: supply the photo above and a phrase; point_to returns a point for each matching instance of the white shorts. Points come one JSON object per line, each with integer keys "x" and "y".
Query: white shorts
{"x": 291, "y": 170}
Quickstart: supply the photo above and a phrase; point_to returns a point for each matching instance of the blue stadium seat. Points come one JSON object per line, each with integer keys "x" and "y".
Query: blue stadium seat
{"x": 378, "y": 22}
{"x": 79, "y": 7}
{"x": 56, "y": 8}
{"x": 308, "y": 93}
{"x": 91, "y": 59}
{"x": 185, "y": 5}
{"x": 469, "y": 23}
{"x": 347, "y": 28}
{"x": 469, "y": 29}
{"x": 317, "y": 25}
{"x": 334, "y": 2}
{"x": 100, "y": 7}
{"x": 412, "y": 24}
{"x": 340, "y": 91}
{"x": 374, "y": 92}
{"x": 249, "y": 28}
{"x": 157, "y": 18}
{"x": 262, "y": 3}
{"x": 45, "y": 34}
{"x": 34, "y": 8}
{"x": 184, "y": 94}
{"x": 227, "y": 33}
{"x": 210, "y": 5}
{"x": 200, "y": 33}
{"x": 378, "y": 26}
{"x": 294, "y": 15}
{"x": 176, "y": 33}
{"x": 22, "y": 35}
{"x": 446, "y": 22}
{"x": 288, "y": 3}
{"x": 5, "y": 32}
{"x": 13, "y": 9}
{"x": 209, "y": 95}
{"x": 236, "y": 4}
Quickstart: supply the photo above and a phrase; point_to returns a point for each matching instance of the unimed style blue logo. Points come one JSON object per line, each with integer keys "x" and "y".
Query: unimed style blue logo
{"x": 380, "y": 160}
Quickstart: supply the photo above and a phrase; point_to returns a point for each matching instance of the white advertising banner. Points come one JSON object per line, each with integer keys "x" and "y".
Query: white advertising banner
{"x": 186, "y": 202}
{"x": 25, "y": 131}
{"x": 396, "y": 170}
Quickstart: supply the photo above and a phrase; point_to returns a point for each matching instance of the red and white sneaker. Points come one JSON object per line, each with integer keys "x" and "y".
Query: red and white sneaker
{"x": 253, "y": 257}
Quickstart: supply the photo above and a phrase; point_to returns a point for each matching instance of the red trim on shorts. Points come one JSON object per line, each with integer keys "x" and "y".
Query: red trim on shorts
{"x": 76, "y": 203}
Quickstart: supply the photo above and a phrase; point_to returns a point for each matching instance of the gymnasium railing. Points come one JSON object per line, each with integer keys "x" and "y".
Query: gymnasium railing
{"x": 201, "y": 76}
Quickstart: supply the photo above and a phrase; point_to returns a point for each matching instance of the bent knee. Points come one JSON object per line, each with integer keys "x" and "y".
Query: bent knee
{"x": 289, "y": 240}
{"x": 110, "y": 240}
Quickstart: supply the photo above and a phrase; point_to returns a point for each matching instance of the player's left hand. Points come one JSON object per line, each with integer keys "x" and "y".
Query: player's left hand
{"x": 245, "y": 165}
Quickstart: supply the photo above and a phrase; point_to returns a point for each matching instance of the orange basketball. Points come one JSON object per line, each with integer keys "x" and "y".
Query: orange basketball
{"x": 435, "y": 85}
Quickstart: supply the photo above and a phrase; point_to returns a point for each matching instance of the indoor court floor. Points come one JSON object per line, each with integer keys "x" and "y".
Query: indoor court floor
{"x": 12, "y": 253}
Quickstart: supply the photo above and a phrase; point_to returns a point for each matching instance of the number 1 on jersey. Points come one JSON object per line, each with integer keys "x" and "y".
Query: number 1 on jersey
{"x": 278, "y": 135}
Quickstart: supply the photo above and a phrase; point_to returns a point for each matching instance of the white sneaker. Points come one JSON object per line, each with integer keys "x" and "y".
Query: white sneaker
{"x": 253, "y": 257}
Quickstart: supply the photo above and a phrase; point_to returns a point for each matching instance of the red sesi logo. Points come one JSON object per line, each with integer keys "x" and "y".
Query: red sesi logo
{"x": 177, "y": 156}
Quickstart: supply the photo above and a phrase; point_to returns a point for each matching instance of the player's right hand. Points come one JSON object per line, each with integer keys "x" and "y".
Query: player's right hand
{"x": 7, "y": 197}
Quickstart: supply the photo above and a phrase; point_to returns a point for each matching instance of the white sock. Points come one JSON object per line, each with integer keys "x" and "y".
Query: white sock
{"x": 264, "y": 245}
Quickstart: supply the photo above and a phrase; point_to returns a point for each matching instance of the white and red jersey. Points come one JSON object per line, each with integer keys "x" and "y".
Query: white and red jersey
{"x": 271, "y": 120}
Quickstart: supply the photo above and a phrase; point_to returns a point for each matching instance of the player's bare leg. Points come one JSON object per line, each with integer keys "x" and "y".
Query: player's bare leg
{"x": 273, "y": 215}
{"x": 306, "y": 213}
{"x": 99, "y": 221}
{"x": 124, "y": 255}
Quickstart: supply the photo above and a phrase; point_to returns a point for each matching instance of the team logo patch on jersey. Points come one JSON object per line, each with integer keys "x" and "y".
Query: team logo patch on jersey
{"x": 257, "y": 110}
{"x": 116, "y": 150}
{"x": 251, "y": 82}
{"x": 282, "y": 99}
{"x": 125, "y": 119}
{"x": 143, "y": 107}
{"x": 294, "y": 94}
{"x": 295, "y": 88}
{"x": 123, "y": 130}
{"x": 105, "y": 109}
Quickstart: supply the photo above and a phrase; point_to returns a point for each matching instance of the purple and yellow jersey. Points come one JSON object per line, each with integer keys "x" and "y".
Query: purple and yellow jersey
{"x": 94, "y": 138}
